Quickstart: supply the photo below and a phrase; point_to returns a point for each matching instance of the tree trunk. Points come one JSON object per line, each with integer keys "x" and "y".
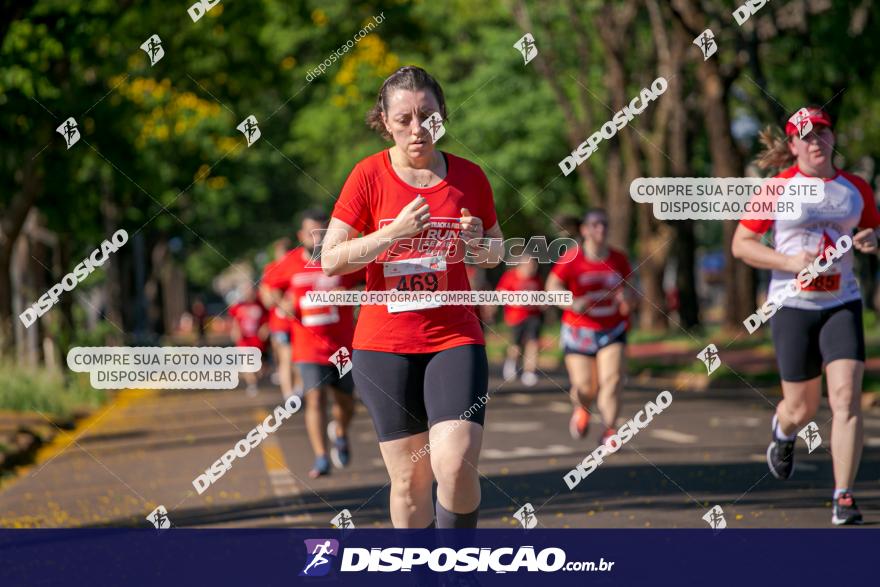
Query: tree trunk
{"x": 11, "y": 222}
{"x": 113, "y": 299}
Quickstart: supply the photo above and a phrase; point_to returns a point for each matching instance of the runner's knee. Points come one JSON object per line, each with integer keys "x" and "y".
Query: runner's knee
{"x": 453, "y": 472}
{"x": 801, "y": 411}
{"x": 611, "y": 381}
{"x": 844, "y": 400}
{"x": 315, "y": 399}
{"x": 411, "y": 484}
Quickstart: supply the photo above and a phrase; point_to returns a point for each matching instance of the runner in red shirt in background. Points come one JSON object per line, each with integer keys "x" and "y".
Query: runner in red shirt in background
{"x": 594, "y": 327}
{"x": 280, "y": 322}
{"x": 524, "y": 321}
{"x": 421, "y": 368}
{"x": 249, "y": 328}
{"x": 319, "y": 332}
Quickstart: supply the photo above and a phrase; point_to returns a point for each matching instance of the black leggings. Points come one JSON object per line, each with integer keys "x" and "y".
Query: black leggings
{"x": 406, "y": 394}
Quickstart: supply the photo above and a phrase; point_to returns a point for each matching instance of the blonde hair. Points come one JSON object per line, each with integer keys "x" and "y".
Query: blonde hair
{"x": 776, "y": 154}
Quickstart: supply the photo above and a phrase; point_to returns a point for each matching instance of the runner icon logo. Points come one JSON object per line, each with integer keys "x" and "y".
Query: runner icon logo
{"x": 159, "y": 518}
{"x": 249, "y": 129}
{"x": 810, "y": 434}
{"x": 320, "y": 555}
{"x": 715, "y": 518}
{"x": 706, "y": 43}
{"x": 343, "y": 520}
{"x": 801, "y": 121}
{"x": 153, "y": 48}
{"x": 709, "y": 356}
{"x": 342, "y": 359}
{"x": 526, "y": 46}
{"x": 526, "y": 516}
{"x": 69, "y": 131}
{"x": 434, "y": 125}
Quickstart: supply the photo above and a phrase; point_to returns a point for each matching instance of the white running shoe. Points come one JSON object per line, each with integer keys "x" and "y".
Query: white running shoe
{"x": 529, "y": 379}
{"x": 339, "y": 451}
{"x": 509, "y": 370}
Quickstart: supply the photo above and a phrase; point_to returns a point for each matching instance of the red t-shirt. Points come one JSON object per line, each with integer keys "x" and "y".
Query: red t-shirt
{"x": 249, "y": 316}
{"x": 600, "y": 281}
{"x": 513, "y": 281}
{"x": 318, "y": 331}
{"x": 371, "y": 198}
{"x": 277, "y": 322}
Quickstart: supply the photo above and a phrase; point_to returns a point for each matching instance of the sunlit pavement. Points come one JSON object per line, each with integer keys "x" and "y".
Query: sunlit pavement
{"x": 145, "y": 448}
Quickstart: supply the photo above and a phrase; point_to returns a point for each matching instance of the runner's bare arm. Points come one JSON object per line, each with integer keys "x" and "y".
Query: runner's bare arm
{"x": 747, "y": 246}
{"x": 342, "y": 253}
{"x": 269, "y": 296}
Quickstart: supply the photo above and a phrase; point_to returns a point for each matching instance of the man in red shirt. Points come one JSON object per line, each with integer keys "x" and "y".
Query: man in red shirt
{"x": 280, "y": 321}
{"x": 249, "y": 328}
{"x": 594, "y": 327}
{"x": 524, "y": 321}
{"x": 319, "y": 332}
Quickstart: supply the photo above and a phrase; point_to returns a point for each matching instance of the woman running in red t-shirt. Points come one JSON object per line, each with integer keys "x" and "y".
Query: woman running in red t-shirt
{"x": 420, "y": 369}
{"x": 593, "y": 335}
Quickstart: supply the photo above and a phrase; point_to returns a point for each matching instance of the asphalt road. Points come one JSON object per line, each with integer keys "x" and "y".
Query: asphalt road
{"x": 706, "y": 448}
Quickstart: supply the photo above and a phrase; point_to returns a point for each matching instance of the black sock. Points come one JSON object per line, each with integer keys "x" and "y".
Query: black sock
{"x": 447, "y": 519}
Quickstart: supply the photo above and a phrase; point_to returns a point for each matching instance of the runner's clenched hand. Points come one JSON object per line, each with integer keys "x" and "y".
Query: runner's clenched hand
{"x": 412, "y": 219}
{"x": 471, "y": 226}
{"x": 865, "y": 241}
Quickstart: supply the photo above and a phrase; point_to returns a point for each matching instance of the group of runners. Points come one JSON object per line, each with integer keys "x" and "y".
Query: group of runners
{"x": 420, "y": 369}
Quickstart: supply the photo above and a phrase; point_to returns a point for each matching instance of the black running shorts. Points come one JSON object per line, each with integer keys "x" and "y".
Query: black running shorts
{"x": 316, "y": 375}
{"x": 528, "y": 329}
{"x": 406, "y": 394}
{"x": 804, "y": 340}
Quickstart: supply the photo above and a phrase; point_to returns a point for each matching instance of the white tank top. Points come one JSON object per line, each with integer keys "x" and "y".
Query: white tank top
{"x": 848, "y": 204}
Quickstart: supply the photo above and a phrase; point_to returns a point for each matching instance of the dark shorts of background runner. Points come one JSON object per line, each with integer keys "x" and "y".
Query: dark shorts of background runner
{"x": 406, "y": 394}
{"x": 281, "y": 336}
{"x": 315, "y": 375}
{"x": 804, "y": 340}
{"x": 528, "y": 329}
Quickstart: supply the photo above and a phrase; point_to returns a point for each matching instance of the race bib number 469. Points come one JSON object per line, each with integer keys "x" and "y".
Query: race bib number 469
{"x": 418, "y": 274}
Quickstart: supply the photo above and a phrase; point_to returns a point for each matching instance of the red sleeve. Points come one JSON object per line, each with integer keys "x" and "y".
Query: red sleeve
{"x": 762, "y": 226}
{"x": 758, "y": 226}
{"x": 623, "y": 266}
{"x": 870, "y": 217}
{"x": 486, "y": 213}
{"x": 504, "y": 282}
{"x": 276, "y": 275}
{"x": 233, "y": 310}
{"x": 560, "y": 268}
{"x": 353, "y": 206}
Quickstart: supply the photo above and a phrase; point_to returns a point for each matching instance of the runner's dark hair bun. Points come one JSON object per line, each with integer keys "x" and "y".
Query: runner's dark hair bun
{"x": 410, "y": 78}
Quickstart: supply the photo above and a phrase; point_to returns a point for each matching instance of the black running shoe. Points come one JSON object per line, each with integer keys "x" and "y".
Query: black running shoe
{"x": 780, "y": 454}
{"x": 845, "y": 511}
